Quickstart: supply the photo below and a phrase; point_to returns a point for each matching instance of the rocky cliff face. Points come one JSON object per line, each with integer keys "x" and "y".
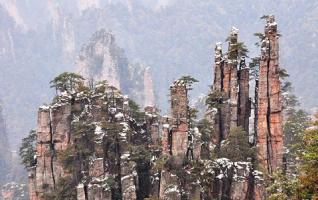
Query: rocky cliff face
{"x": 102, "y": 59}
{"x": 94, "y": 143}
{"x": 269, "y": 108}
{"x": 83, "y": 142}
{"x": 27, "y": 27}
{"x": 230, "y": 98}
{"x": 230, "y": 89}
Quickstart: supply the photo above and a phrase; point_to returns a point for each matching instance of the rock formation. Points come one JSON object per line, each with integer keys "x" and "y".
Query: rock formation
{"x": 230, "y": 97}
{"x": 244, "y": 104}
{"x": 230, "y": 89}
{"x": 94, "y": 143}
{"x": 269, "y": 109}
{"x": 98, "y": 122}
{"x": 102, "y": 59}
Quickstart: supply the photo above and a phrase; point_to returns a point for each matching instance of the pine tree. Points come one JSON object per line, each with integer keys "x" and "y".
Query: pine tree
{"x": 308, "y": 174}
{"x": 237, "y": 147}
{"x": 66, "y": 82}
{"x": 27, "y": 150}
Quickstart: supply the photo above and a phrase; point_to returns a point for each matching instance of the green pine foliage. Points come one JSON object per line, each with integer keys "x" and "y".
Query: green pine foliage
{"x": 188, "y": 81}
{"x": 254, "y": 68}
{"x": 206, "y": 129}
{"x": 27, "y": 149}
{"x": 281, "y": 187}
{"x": 308, "y": 174}
{"x": 135, "y": 111}
{"x": 241, "y": 49}
{"x": 67, "y": 82}
{"x": 215, "y": 99}
{"x": 237, "y": 147}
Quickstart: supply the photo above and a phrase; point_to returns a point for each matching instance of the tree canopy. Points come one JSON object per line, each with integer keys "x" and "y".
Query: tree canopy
{"x": 66, "y": 82}
{"x": 27, "y": 150}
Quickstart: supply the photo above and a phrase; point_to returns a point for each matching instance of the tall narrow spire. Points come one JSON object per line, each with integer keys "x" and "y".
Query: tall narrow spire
{"x": 269, "y": 122}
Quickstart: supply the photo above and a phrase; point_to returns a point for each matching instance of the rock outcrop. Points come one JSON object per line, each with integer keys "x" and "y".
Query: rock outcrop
{"x": 230, "y": 98}
{"x": 95, "y": 143}
{"x": 102, "y": 59}
{"x": 269, "y": 109}
{"x": 76, "y": 124}
{"x": 230, "y": 89}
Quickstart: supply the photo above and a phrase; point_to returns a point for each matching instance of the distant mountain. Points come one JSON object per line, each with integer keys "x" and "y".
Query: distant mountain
{"x": 101, "y": 59}
{"x": 39, "y": 39}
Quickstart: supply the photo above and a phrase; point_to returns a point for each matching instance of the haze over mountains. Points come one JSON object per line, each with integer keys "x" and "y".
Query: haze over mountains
{"x": 40, "y": 39}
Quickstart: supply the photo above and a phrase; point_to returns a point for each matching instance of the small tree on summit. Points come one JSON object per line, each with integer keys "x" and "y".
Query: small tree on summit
{"x": 66, "y": 82}
{"x": 242, "y": 49}
{"x": 188, "y": 81}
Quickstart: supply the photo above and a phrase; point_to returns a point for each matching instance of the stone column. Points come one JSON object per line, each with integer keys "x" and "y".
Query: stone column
{"x": 232, "y": 63}
{"x": 269, "y": 123}
{"x": 217, "y": 89}
{"x": 179, "y": 112}
{"x": 179, "y": 100}
{"x": 243, "y": 101}
{"x": 54, "y": 135}
{"x": 32, "y": 184}
{"x": 44, "y": 178}
{"x": 152, "y": 121}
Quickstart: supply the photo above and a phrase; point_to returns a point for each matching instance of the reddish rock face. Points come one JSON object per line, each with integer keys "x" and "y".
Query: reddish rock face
{"x": 53, "y": 136}
{"x": 232, "y": 63}
{"x": 180, "y": 139}
{"x": 175, "y": 129}
{"x": 153, "y": 121}
{"x": 231, "y": 81}
{"x": 165, "y": 139}
{"x": 32, "y": 184}
{"x": 244, "y": 101}
{"x": 179, "y": 101}
{"x": 269, "y": 122}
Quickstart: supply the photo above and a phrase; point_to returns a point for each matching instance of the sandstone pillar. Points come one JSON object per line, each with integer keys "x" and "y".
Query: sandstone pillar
{"x": 269, "y": 122}
{"x": 179, "y": 112}
{"x": 232, "y": 63}
{"x": 243, "y": 96}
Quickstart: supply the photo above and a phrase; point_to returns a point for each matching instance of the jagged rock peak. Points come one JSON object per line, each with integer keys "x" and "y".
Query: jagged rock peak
{"x": 218, "y": 50}
{"x": 234, "y": 31}
{"x": 102, "y": 59}
{"x": 271, "y": 20}
{"x": 107, "y": 37}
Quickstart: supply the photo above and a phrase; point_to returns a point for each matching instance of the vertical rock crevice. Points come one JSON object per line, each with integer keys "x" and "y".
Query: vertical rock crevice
{"x": 269, "y": 103}
{"x": 52, "y": 147}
